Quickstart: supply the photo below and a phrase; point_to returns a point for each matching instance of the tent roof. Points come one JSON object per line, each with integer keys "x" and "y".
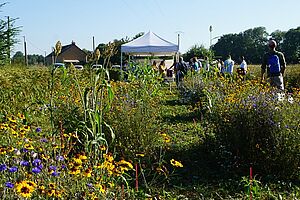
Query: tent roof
{"x": 150, "y": 44}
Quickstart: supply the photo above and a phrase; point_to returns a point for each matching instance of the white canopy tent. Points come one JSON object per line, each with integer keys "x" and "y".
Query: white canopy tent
{"x": 149, "y": 44}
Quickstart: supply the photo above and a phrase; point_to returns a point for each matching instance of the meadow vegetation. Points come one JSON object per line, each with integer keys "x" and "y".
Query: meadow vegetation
{"x": 76, "y": 134}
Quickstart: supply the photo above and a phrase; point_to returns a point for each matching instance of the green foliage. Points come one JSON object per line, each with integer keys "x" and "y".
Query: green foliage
{"x": 199, "y": 52}
{"x": 250, "y": 43}
{"x": 8, "y": 34}
{"x": 136, "y": 107}
{"x": 202, "y": 125}
{"x": 291, "y": 45}
{"x": 251, "y": 125}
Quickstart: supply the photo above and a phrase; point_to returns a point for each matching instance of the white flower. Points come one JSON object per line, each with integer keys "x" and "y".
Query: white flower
{"x": 280, "y": 96}
{"x": 290, "y": 99}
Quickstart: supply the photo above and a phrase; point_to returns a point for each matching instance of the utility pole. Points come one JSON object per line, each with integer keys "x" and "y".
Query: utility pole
{"x": 8, "y": 39}
{"x": 25, "y": 52}
{"x": 93, "y": 44}
{"x": 178, "y": 39}
{"x": 210, "y": 41}
{"x": 44, "y": 58}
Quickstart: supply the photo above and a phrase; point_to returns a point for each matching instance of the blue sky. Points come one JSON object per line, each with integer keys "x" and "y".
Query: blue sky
{"x": 46, "y": 21}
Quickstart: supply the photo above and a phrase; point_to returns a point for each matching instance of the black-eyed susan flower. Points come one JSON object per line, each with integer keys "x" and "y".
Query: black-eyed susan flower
{"x": 2, "y": 151}
{"x": 102, "y": 147}
{"x": 101, "y": 187}
{"x": 41, "y": 189}
{"x": 26, "y": 128}
{"x": 12, "y": 119}
{"x": 51, "y": 185}
{"x": 10, "y": 149}
{"x": 125, "y": 164}
{"x": 74, "y": 171}
{"x": 176, "y": 163}
{"x": 87, "y": 173}
{"x": 28, "y": 147}
{"x": 25, "y": 189}
{"x": 21, "y": 116}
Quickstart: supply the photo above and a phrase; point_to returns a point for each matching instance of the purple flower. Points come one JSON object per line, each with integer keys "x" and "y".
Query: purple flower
{"x": 36, "y": 170}
{"x": 55, "y": 173}
{"x": 89, "y": 184}
{"x": 36, "y": 162}
{"x": 60, "y": 158}
{"x": 44, "y": 140}
{"x": 3, "y": 167}
{"x": 63, "y": 167}
{"x": 24, "y": 163}
{"x": 38, "y": 130}
{"x": 24, "y": 150}
{"x": 13, "y": 169}
{"x": 52, "y": 167}
{"x": 9, "y": 185}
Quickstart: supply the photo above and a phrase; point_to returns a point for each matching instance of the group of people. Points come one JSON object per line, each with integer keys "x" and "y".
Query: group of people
{"x": 273, "y": 63}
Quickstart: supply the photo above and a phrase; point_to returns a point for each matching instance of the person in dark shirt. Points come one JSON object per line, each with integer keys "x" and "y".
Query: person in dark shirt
{"x": 274, "y": 63}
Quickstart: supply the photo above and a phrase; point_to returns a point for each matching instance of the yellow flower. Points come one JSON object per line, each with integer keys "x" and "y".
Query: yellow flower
{"x": 28, "y": 146}
{"x": 21, "y": 116}
{"x": 26, "y": 128}
{"x": 3, "y": 126}
{"x": 87, "y": 173}
{"x": 74, "y": 171}
{"x": 101, "y": 188}
{"x": 111, "y": 184}
{"x": 14, "y": 133}
{"x": 140, "y": 155}
{"x": 2, "y": 151}
{"x": 82, "y": 157}
{"x": 12, "y": 119}
{"x": 166, "y": 138}
{"x": 108, "y": 157}
{"x": 50, "y": 193}
{"x": 32, "y": 184}
{"x": 125, "y": 163}
{"x": 10, "y": 149}
{"x": 176, "y": 163}
{"x": 102, "y": 147}
{"x": 77, "y": 161}
{"x": 51, "y": 185}
{"x": 25, "y": 188}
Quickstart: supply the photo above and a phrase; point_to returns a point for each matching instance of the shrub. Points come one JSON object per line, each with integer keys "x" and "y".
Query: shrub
{"x": 252, "y": 125}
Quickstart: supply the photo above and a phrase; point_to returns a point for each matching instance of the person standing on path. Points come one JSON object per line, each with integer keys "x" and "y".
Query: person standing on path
{"x": 274, "y": 63}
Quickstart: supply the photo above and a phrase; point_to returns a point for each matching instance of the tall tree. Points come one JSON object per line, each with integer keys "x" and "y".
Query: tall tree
{"x": 250, "y": 43}
{"x": 279, "y": 37}
{"x": 197, "y": 51}
{"x": 18, "y": 58}
{"x": 291, "y": 45}
{"x": 8, "y": 34}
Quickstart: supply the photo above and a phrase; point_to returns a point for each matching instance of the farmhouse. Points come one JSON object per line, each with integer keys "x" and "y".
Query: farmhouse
{"x": 69, "y": 54}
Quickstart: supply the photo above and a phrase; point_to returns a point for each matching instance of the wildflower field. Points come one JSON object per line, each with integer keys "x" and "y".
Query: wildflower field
{"x": 71, "y": 134}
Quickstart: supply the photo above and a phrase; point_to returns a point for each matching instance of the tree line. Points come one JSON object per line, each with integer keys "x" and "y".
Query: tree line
{"x": 252, "y": 44}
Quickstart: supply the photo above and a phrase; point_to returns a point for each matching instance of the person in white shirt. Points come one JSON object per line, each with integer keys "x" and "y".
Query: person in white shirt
{"x": 229, "y": 65}
{"x": 243, "y": 66}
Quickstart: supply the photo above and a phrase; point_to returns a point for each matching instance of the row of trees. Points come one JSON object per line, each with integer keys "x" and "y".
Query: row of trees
{"x": 8, "y": 33}
{"x": 34, "y": 59}
{"x": 252, "y": 44}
